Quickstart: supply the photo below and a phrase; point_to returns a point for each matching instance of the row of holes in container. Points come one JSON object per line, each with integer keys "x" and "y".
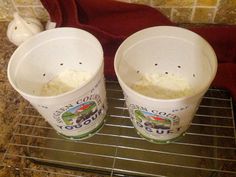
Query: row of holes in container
{"x": 61, "y": 64}
{"x": 156, "y": 64}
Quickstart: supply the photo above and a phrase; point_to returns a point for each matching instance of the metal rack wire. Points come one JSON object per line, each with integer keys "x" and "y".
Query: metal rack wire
{"x": 207, "y": 149}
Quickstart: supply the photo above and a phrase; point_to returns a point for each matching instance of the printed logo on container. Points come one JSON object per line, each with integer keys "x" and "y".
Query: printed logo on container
{"x": 153, "y": 121}
{"x": 79, "y": 113}
{"x": 85, "y": 113}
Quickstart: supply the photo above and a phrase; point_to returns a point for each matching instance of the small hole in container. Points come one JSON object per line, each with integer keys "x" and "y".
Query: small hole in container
{"x": 61, "y": 64}
{"x": 44, "y": 74}
{"x": 179, "y": 66}
{"x": 194, "y": 75}
{"x": 15, "y": 27}
{"x": 166, "y": 72}
{"x": 156, "y": 64}
{"x": 138, "y": 72}
{"x": 80, "y": 63}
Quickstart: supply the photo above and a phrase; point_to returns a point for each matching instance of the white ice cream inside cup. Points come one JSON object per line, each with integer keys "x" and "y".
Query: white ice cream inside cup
{"x": 164, "y": 86}
{"x": 65, "y": 81}
{"x": 169, "y": 52}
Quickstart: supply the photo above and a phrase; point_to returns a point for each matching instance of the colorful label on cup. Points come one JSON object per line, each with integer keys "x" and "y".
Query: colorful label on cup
{"x": 81, "y": 118}
{"x": 154, "y": 124}
{"x": 80, "y": 114}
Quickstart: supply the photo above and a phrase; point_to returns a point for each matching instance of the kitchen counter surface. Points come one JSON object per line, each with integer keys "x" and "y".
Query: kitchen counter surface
{"x": 10, "y": 101}
{"x": 11, "y": 106}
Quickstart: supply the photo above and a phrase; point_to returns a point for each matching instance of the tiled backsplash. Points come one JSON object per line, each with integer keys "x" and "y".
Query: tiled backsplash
{"x": 30, "y": 8}
{"x": 180, "y": 11}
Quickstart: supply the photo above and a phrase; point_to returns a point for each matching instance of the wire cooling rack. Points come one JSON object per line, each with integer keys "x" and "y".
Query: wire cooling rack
{"x": 208, "y": 149}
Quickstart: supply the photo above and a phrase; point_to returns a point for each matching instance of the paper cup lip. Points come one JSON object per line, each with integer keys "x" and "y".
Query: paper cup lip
{"x": 163, "y": 28}
{"x": 35, "y": 37}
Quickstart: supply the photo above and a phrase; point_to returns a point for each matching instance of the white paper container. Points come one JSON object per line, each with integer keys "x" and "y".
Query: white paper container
{"x": 162, "y": 50}
{"x": 44, "y": 56}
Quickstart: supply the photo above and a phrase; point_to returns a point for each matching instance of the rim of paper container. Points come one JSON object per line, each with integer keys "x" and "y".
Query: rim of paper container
{"x": 123, "y": 84}
{"x": 62, "y": 94}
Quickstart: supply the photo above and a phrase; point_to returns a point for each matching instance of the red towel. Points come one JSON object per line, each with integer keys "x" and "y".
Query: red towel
{"x": 112, "y": 21}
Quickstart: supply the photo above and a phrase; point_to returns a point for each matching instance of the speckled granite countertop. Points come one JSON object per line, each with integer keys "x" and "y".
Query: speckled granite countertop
{"x": 10, "y": 101}
{"x": 11, "y": 106}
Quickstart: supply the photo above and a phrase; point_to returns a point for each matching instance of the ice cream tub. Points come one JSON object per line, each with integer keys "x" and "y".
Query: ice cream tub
{"x": 67, "y": 63}
{"x": 164, "y": 72}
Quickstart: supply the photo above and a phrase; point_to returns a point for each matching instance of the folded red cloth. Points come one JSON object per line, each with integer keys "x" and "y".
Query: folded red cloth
{"x": 110, "y": 21}
{"x": 222, "y": 39}
{"x": 225, "y": 78}
{"x": 113, "y": 21}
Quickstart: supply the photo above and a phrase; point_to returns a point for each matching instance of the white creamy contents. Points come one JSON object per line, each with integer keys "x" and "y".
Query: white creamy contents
{"x": 164, "y": 86}
{"x": 65, "y": 81}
